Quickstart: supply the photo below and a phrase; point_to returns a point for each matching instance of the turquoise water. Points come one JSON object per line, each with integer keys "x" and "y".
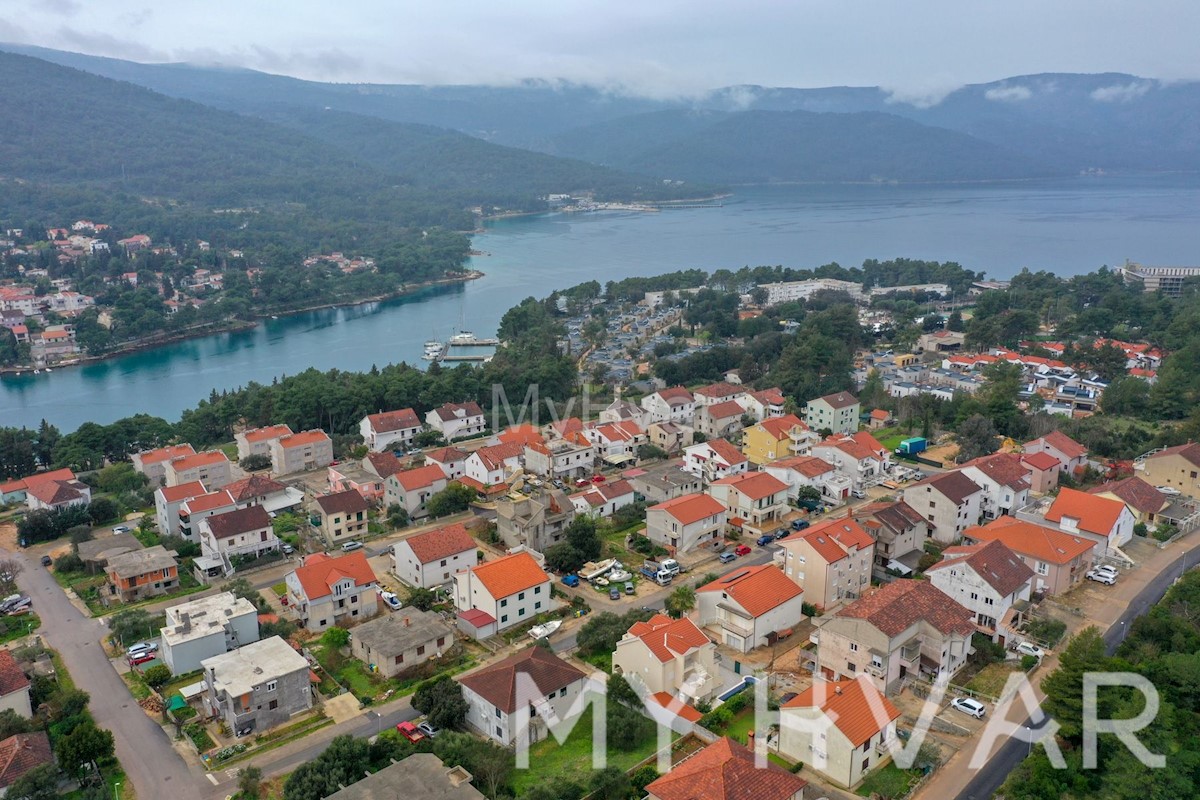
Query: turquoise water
{"x": 1064, "y": 226}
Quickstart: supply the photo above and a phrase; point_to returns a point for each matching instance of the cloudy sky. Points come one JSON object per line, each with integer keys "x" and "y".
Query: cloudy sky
{"x": 658, "y": 47}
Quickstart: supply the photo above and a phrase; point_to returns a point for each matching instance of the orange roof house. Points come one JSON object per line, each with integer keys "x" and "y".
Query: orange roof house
{"x": 749, "y": 604}
{"x": 511, "y": 590}
{"x": 726, "y": 770}
{"x": 1058, "y": 559}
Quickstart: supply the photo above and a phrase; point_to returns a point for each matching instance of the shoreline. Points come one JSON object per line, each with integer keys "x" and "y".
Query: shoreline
{"x": 235, "y": 326}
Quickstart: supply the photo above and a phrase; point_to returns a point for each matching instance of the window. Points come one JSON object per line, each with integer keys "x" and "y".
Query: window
{"x": 400, "y": 659}
{"x": 866, "y": 745}
{"x": 521, "y": 612}
{"x": 537, "y": 605}
{"x": 499, "y": 733}
{"x": 866, "y": 764}
{"x": 854, "y": 647}
{"x": 851, "y": 668}
{"x": 504, "y": 603}
{"x": 521, "y": 596}
{"x": 504, "y": 618}
{"x": 354, "y": 599}
{"x": 974, "y": 595}
{"x": 421, "y": 650}
{"x": 497, "y": 717}
{"x": 537, "y": 590}
{"x": 988, "y": 601}
{"x": 441, "y": 641}
{"x": 443, "y": 563}
{"x": 274, "y": 704}
{"x": 271, "y": 685}
{"x": 1043, "y": 568}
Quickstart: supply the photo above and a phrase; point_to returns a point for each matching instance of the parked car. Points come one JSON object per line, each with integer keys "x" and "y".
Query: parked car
{"x": 966, "y": 705}
{"x": 725, "y": 558}
{"x": 570, "y": 580}
{"x": 142, "y": 647}
{"x": 783, "y": 533}
{"x": 1170, "y": 491}
{"x": 614, "y": 593}
{"x": 629, "y": 587}
{"x": 742, "y": 550}
{"x": 8, "y": 602}
{"x": 765, "y": 539}
{"x": 1105, "y": 575}
{"x": 428, "y": 729}
{"x": 598, "y": 479}
{"x": 287, "y": 548}
{"x": 580, "y": 482}
{"x": 409, "y": 731}
{"x": 47, "y": 561}
{"x": 799, "y": 524}
{"x": 350, "y": 546}
{"x": 142, "y": 658}
{"x": 121, "y": 529}
{"x": 858, "y": 493}
{"x": 391, "y": 600}
{"x": 1030, "y": 649}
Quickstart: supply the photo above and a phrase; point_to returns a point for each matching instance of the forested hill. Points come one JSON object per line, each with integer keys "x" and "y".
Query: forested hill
{"x": 788, "y": 146}
{"x": 70, "y": 128}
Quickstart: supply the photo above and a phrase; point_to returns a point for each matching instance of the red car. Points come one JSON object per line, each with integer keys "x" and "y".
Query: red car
{"x": 742, "y": 549}
{"x": 409, "y": 731}
{"x": 142, "y": 659}
{"x": 597, "y": 479}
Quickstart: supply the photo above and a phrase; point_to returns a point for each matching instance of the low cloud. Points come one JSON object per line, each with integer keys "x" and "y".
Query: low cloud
{"x": 919, "y": 96}
{"x": 1121, "y": 92}
{"x": 1008, "y": 94}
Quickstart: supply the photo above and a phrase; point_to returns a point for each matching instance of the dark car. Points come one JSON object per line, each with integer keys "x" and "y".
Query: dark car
{"x": 799, "y": 524}
{"x": 765, "y": 539}
{"x": 614, "y": 593}
{"x": 725, "y": 558}
{"x": 47, "y": 561}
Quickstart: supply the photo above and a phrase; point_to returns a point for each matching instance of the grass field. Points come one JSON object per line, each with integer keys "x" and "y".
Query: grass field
{"x": 888, "y": 782}
{"x": 991, "y": 679}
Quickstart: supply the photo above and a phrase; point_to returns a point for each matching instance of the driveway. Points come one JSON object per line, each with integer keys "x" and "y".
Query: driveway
{"x": 150, "y": 762}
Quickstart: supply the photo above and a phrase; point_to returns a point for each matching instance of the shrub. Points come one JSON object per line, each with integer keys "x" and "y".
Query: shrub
{"x": 927, "y": 561}
{"x": 68, "y": 563}
{"x": 1028, "y": 662}
{"x": 1046, "y": 629}
{"x": 255, "y": 462}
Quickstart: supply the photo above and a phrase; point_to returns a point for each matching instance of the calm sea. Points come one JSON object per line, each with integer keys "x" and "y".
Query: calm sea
{"x": 1064, "y": 226}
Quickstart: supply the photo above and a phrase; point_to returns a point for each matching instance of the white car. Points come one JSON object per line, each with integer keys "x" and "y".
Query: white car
{"x": 1169, "y": 491}
{"x": 391, "y": 600}
{"x": 1030, "y": 649}
{"x": 1103, "y": 574}
{"x": 966, "y": 705}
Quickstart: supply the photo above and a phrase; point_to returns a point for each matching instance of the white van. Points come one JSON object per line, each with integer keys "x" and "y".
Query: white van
{"x": 968, "y": 706}
{"x": 349, "y": 546}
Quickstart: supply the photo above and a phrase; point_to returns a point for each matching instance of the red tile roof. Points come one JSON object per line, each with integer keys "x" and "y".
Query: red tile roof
{"x": 690, "y": 508}
{"x": 839, "y": 400}
{"x": 497, "y": 684}
{"x": 726, "y": 410}
{"x": 508, "y": 575}
{"x": 667, "y": 638}
{"x": 254, "y": 486}
{"x": 809, "y": 466}
{"x": 1029, "y": 539}
{"x": 720, "y": 389}
{"x": 53, "y": 493}
{"x": 954, "y": 485}
{"x": 755, "y": 485}
{"x": 1190, "y": 452}
{"x": 833, "y": 538}
{"x": 12, "y": 679}
{"x": 346, "y": 502}
{"x": 207, "y": 502}
{"x": 1098, "y": 515}
{"x": 494, "y": 457}
{"x": 1136, "y": 493}
{"x": 389, "y": 421}
{"x": 678, "y": 707}
{"x": 1064, "y": 444}
{"x": 898, "y": 516}
{"x": 451, "y": 411}
{"x": 176, "y": 494}
{"x": 264, "y": 434}
{"x": 772, "y": 397}
{"x": 993, "y": 561}
{"x": 1003, "y": 468}
{"x": 420, "y": 478}
{"x": 855, "y": 706}
{"x": 204, "y": 459}
{"x": 881, "y": 415}
{"x": 303, "y": 438}
{"x": 521, "y": 435}
{"x": 241, "y": 520}
{"x": 319, "y": 573}
{"x": 445, "y": 455}
{"x": 725, "y": 770}
{"x": 166, "y": 453}
{"x": 675, "y": 395}
{"x": 780, "y": 427}
{"x": 893, "y": 607}
{"x": 726, "y": 452}
{"x": 622, "y": 431}
{"x": 440, "y": 543}
{"x": 385, "y": 464}
{"x": 1041, "y": 461}
{"x": 21, "y": 753}
{"x": 756, "y": 589}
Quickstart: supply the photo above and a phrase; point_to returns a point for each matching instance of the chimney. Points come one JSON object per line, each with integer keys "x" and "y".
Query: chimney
{"x": 837, "y": 689}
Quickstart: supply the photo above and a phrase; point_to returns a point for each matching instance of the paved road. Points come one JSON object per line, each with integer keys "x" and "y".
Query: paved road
{"x": 1010, "y": 754}
{"x": 151, "y": 764}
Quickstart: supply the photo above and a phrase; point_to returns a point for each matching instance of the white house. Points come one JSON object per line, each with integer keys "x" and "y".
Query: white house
{"x": 714, "y": 460}
{"x": 685, "y": 523}
{"x": 389, "y": 429}
{"x": 951, "y": 502}
{"x": 510, "y": 590}
{"x": 302, "y": 451}
{"x": 616, "y": 441}
{"x": 1104, "y": 520}
{"x": 717, "y": 420}
{"x": 1004, "y": 480}
{"x": 858, "y": 456}
{"x": 763, "y": 405}
{"x": 431, "y": 559}
{"x": 241, "y": 532}
{"x": 257, "y": 441}
{"x": 451, "y": 460}
{"x": 1070, "y": 453}
{"x": 493, "y": 464}
{"x": 567, "y": 458}
{"x": 717, "y": 393}
{"x": 817, "y": 473}
{"x": 675, "y": 404}
{"x": 603, "y": 499}
{"x": 745, "y": 606}
{"x": 754, "y": 501}
{"x": 206, "y": 627}
{"x": 412, "y": 488}
{"x": 167, "y": 501}
{"x": 457, "y": 420}
{"x": 669, "y": 655}
{"x": 153, "y": 463}
{"x": 326, "y": 591}
{"x": 987, "y": 580}
{"x": 212, "y": 468}
{"x": 510, "y": 694}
